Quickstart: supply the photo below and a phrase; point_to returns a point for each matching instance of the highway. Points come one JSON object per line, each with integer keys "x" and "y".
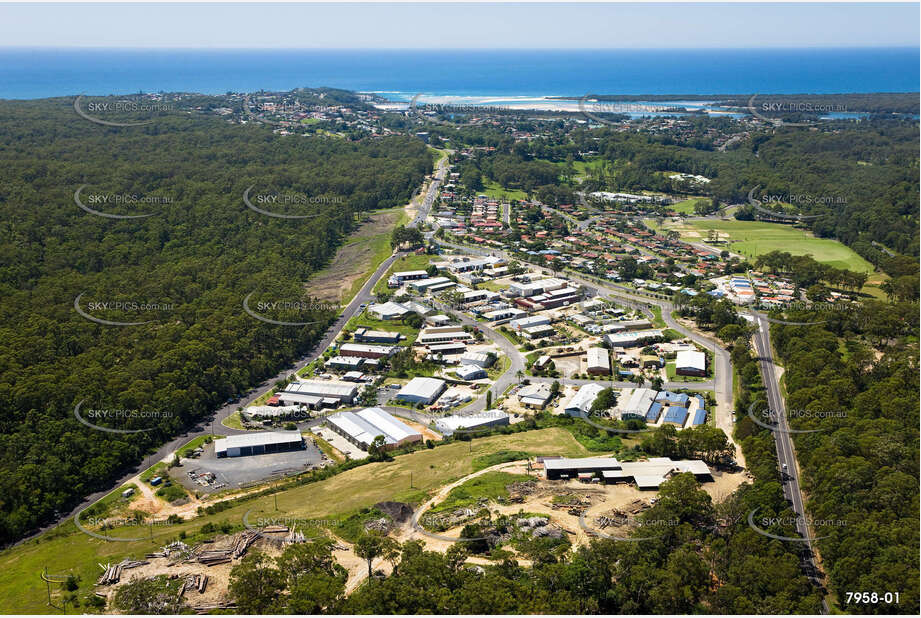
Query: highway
{"x": 786, "y": 456}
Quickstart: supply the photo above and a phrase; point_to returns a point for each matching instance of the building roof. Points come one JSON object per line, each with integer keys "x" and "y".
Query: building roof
{"x": 260, "y": 438}
{"x": 654, "y": 472}
{"x": 668, "y": 396}
{"x": 539, "y": 392}
{"x": 691, "y": 359}
{"x": 652, "y": 415}
{"x": 469, "y": 372}
{"x": 425, "y": 388}
{"x": 676, "y": 414}
{"x": 700, "y": 417}
{"x": 583, "y": 463}
{"x": 639, "y": 402}
{"x": 322, "y": 387}
{"x": 598, "y": 357}
{"x": 584, "y": 398}
{"x": 367, "y": 424}
{"x": 389, "y": 308}
{"x": 454, "y": 422}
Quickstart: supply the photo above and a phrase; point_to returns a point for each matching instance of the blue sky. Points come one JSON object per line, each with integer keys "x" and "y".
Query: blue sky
{"x": 413, "y": 26}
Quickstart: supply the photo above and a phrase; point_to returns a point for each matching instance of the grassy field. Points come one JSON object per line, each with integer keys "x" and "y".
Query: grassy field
{"x": 66, "y": 550}
{"x": 356, "y": 260}
{"x": 754, "y": 238}
{"x": 686, "y": 207}
{"x": 493, "y": 190}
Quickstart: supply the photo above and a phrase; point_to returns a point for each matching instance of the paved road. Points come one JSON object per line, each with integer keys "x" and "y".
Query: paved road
{"x": 786, "y": 456}
{"x": 432, "y": 192}
{"x": 508, "y": 349}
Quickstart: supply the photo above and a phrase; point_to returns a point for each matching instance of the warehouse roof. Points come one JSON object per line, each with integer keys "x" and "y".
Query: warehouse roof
{"x": 256, "y": 439}
{"x": 325, "y": 387}
{"x": 676, "y": 414}
{"x": 425, "y": 388}
{"x": 583, "y": 463}
{"x": 691, "y": 359}
{"x": 584, "y": 398}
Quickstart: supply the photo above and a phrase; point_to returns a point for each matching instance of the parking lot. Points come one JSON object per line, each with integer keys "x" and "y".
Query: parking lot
{"x": 234, "y": 472}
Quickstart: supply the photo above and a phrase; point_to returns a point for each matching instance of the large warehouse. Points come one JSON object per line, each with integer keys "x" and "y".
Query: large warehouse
{"x": 259, "y": 443}
{"x": 489, "y": 418}
{"x": 303, "y": 392}
{"x": 422, "y": 390}
{"x": 691, "y": 363}
{"x": 634, "y": 338}
{"x": 360, "y": 428}
{"x": 581, "y": 402}
{"x": 646, "y": 474}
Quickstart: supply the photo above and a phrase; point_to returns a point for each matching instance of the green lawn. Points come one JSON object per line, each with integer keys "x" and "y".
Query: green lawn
{"x": 686, "y": 207}
{"x": 65, "y": 550}
{"x": 493, "y": 190}
{"x": 754, "y": 238}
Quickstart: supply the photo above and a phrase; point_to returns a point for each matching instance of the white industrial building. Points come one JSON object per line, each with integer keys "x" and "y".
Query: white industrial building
{"x": 646, "y": 474}
{"x": 307, "y": 391}
{"x": 581, "y": 402}
{"x": 533, "y": 288}
{"x": 387, "y": 311}
{"x": 528, "y": 322}
{"x": 638, "y": 405}
{"x": 421, "y": 390}
{"x": 443, "y": 335}
{"x": 633, "y": 338}
{"x": 534, "y": 395}
{"x": 489, "y": 418}
{"x": 599, "y": 362}
{"x": 691, "y": 363}
{"x": 480, "y": 359}
{"x": 362, "y": 427}
{"x": 258, "y": 443}
{"x": 470, "y": 372}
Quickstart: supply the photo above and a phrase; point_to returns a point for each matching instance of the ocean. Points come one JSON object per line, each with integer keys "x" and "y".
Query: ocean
{"x": 38, "y": 73}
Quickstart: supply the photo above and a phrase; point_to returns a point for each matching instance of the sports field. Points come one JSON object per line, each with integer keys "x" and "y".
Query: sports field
{"x": 754, "y": 238}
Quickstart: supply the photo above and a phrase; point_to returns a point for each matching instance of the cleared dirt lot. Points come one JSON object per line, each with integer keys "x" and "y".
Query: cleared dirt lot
{"x": 354, "y": 259}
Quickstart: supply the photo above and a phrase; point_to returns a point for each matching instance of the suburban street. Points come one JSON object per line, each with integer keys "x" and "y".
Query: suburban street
{"x": 722, "y": 364}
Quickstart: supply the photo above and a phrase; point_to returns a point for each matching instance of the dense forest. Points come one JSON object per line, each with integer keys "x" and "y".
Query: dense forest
{"x": 858, "y": 374}
{"x": 183, "y": 271}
